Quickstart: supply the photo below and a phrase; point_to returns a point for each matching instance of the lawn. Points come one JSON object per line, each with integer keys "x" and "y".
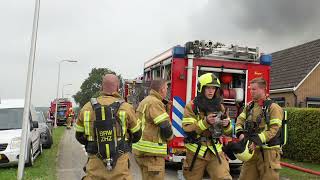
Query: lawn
{"x": 45, "y": 165}
{"x": 294, "y": 174}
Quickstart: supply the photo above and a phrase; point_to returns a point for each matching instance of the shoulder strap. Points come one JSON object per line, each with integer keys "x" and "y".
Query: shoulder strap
{"x": 96, "y": 106}
{"x": 194, "y": 106}
{"x": 249, "y": 108}
{"x": 94, "y": 103}
{"x": 265, "y": 110}
{"x": 116, "y": 105}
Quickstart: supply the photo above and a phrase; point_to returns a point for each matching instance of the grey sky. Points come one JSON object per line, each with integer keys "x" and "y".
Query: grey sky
{"x": 122, "y": 34}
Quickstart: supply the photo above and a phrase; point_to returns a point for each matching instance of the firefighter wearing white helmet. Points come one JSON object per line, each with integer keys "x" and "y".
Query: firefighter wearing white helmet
{"x": 204, "y": 122}
{"x": 258, "y": 128}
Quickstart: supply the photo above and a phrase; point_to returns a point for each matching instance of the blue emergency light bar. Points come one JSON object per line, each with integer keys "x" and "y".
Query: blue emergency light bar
{"x": 266, "y": 59}
{"x": 179, "y": 52}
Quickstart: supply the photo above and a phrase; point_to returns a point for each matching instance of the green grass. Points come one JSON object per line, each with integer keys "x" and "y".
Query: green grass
{"x": 294, "y": 174}
{"x": 44, "y": 166}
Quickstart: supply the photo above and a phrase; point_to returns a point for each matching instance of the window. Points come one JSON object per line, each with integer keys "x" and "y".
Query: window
{"x": 156, "y": 72}
{"x": 281, "y": 101}
{"x": 167, "y": 72}
{"x": 168, "y": 97}
{"x": 11, "y": 118}
{"x": 313, "y": 102}
{"x": 147, "y": 75}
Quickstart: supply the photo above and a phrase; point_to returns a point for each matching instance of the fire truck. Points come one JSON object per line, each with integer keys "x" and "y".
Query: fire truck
{"x": 134, "y": 91}
{"x": 62, "y": 113}
{"x": 181, "y": 66}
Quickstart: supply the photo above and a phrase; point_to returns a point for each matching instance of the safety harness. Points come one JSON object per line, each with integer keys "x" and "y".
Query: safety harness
{"x": 252, "y": 127}
{"x": 281, "y": 136}
{"x": 107, "y": 146}
{"x": 193, "y": 137}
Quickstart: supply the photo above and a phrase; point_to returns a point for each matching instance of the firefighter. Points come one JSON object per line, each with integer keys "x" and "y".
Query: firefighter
{"x": 107, "y": 126}
{"x": 156, "y": 132}
{"x": 70, "y": 118}
{"x": 204, "y": 122}
{"x": 262, "y": 160}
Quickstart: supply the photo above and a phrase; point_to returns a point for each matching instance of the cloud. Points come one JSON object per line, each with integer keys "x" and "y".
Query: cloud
{"x": 272, "y": 25}
{"x": 279, "y": 18}
{"x": 122, "y": 35}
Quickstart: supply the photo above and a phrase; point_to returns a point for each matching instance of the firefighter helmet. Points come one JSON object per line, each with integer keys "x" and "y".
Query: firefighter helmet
{"x": 208, "y": 79}
{"x": 247, "y": 154}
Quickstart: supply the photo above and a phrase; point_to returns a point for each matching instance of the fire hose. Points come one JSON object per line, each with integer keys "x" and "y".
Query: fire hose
{"x": 300, "y": 168}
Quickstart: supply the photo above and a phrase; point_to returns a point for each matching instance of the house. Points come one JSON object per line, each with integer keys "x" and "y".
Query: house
{"x": 295, "y": 76}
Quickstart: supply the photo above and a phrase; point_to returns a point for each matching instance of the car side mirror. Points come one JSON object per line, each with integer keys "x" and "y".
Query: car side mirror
{"x": 35, "y": 124}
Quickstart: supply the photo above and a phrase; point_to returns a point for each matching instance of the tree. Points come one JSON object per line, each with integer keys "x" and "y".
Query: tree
{"x": 92, "y": 85}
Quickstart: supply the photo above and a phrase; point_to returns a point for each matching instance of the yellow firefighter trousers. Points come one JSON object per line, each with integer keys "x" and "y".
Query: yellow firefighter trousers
{"x": 257, "y": 168}
{"x": 209, "y": 163}
{"x": 69, "y": 119}
{"x": 96, "y": 170}
{"x": 152, "y": 167}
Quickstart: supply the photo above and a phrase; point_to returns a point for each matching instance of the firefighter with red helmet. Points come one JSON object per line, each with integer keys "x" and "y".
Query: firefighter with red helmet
{"x": 204, "y": 122}
{"x": 70, "y": 115}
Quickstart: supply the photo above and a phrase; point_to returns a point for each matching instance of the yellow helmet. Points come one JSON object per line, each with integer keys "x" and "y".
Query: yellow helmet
{"x": 208, "y": 79}
{"x": 246, "y": 155}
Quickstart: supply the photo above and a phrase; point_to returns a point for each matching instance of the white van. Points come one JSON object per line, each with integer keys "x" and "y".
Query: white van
{"x": 11, "y": 116}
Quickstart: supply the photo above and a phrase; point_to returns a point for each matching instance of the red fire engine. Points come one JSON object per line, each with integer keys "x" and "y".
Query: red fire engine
{"x": 182, "y": 65}
{"x": 62, "y": 113}
{"x": 134, "y": 91}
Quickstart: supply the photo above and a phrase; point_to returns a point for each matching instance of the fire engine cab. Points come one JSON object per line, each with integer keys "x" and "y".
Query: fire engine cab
{"x": 134, "y": 91}
{"x": 181, "y": 66}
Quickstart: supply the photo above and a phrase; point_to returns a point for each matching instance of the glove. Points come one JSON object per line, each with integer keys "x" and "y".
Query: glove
{"x": 234, "y": 148}
{"x": 167, "y": 104}
{"x": 228, "y": 151}
{"x": 256, "y": 139}
{"x": 164, "y": 101}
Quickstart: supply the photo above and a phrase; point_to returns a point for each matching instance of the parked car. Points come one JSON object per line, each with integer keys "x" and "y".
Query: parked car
{"x": 45, "y": 128}
{"x": 11, "y": 116}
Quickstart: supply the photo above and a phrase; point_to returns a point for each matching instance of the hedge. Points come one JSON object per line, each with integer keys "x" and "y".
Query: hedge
{"x": 303, "y": 135}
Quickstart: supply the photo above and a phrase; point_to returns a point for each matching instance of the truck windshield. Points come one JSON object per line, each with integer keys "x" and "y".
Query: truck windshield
{"x": 11, "y": 118}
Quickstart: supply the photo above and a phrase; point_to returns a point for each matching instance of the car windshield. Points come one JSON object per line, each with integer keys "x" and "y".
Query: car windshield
{"x": 40, "y": 117}
{"x": 11, "y": 118}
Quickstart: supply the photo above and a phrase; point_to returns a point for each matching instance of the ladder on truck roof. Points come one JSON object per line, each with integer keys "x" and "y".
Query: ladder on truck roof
{"x": 233, "y": 52}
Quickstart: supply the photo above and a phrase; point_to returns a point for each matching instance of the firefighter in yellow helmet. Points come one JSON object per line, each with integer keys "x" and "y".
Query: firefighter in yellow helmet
{"x": 107, "y": 126}
{"x": 156, "y": 132}
{"x": 70, "y": 116}
{"x": 204, "y": 122}
{"x": 258, "y": 128}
